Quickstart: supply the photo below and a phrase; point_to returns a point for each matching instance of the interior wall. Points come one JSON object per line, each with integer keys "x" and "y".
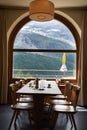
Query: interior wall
{"x": 12, "y": 14}
{"x": 76, "y": 14}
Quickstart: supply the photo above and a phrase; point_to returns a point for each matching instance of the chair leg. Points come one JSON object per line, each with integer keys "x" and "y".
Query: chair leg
{"x": 72, "y": 116}
{"x": 29, "y": 116}
{"x": 70, "y": 119}
{"x": 67, "y": 117}
{"x": 12, "y": 120}
{"x": 16, "y": 116}
{"x": 54, "y": 119}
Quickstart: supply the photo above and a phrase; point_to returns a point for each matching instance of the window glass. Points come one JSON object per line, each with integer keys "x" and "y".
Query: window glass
{"x": 43, "y": 64}
{"x": 39, "y": 48}
{"x": 45, "y": 35}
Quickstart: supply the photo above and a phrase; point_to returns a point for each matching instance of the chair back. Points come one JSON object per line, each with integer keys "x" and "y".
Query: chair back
{"x": 68, "y": 90}
{"x": 13, "y": 89}
{"x": 18, "y": 83}
{"x": 75, "y": 95}
{"x": 24, "y": 81}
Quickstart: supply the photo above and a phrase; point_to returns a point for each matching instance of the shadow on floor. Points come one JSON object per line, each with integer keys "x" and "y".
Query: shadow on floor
{"x": 23, "y": 124}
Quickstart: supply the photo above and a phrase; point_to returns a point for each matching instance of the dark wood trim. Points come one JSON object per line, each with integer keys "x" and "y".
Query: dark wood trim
{"x": 42, "y": 50}
{"x": 14, "y": 7}
{"x": 82, "y": 8}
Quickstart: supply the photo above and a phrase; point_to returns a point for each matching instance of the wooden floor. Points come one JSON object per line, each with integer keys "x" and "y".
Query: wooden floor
{"x": 23, "y": 124}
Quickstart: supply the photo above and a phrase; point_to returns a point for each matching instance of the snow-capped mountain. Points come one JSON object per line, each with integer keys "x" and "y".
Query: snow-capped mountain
{"x": 34, "y": 33}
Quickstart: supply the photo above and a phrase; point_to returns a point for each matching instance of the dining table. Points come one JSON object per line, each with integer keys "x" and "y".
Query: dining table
{"x": 45, "y": 88}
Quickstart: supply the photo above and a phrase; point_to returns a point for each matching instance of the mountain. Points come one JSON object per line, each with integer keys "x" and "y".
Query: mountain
{"x": 50, "y": 35}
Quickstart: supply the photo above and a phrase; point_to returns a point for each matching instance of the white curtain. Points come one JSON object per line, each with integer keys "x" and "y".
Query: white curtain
{"x": 3, "y": 58}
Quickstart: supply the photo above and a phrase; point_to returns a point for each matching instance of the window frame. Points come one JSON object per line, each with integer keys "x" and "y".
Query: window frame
{"x": 58, "y": 17}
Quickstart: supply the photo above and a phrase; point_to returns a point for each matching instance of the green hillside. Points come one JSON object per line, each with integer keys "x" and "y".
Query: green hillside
{"x": 45, "y": 42}
{"x": 39, "y": 62}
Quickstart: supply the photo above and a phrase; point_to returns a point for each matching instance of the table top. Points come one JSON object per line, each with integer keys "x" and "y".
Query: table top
{"x": 29, "y": 90}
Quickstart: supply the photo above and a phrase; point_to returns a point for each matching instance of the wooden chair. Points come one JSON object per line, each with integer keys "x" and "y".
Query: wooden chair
{"x": 23, "y": 98}
{"x": 61, "y": 96}
{"x": 19, "y": 84}
{"x": 54, "y": 100}
{"x": 19, "y": 106}
{"x": 70, "y": 110}
{"x": 67, "y": 94}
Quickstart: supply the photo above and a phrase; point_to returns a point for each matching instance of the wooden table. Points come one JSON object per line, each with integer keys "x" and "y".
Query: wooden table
{"x": 38, "y": 97}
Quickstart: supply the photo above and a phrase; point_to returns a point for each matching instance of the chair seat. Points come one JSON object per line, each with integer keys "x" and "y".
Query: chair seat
{"x": 22, "y": 106}
{"x": 58, "y": 97}
{"x": 25, "y": 99}
{"x": 64, "y": 108}
{"x": 58, "y": 102}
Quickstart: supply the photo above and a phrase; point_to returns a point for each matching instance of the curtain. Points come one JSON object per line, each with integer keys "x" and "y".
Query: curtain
{"x": 3, "y": 58}
{"x": 82, "y": 79}
{"x": 80, "y": 65}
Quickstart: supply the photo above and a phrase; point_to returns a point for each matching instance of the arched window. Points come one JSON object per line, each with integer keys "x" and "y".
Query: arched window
{"x": 45, "y": 49}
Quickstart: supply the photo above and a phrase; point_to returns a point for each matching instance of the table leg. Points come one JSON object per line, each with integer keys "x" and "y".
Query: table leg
{"x": 38, "y": 110}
